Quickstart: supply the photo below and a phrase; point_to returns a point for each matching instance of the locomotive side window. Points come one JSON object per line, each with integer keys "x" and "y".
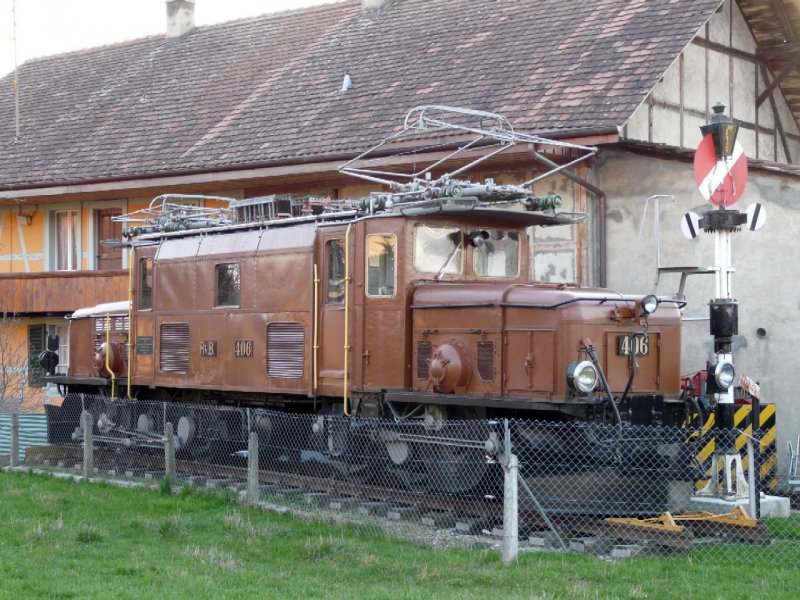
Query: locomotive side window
{"x": 145, "y": 283}
{"x": 437, "y": 250}
{"x": 497, "y": 255}
{"x": 334, "y": 250}
{"x": 381, "y": 251}
{"x": 228, "y": 285}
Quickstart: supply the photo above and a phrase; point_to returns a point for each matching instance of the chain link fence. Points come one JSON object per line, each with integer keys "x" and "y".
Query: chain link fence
{"x": 31, "y": 433}
{"x": 533, "y": 486}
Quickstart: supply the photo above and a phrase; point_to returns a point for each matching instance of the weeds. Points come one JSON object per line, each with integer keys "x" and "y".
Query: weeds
{"x": 36, "y": 533}
{"x": 89, "y": 534}
{"x": 170, "y": 526}
{"x": 165, "y": 486}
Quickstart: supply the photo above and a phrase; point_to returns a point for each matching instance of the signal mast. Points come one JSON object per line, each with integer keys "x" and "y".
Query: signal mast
{"x": 720, "y": 168}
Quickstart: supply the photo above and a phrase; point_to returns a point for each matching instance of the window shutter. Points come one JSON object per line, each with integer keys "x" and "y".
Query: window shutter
{"x": 37, "y": 336}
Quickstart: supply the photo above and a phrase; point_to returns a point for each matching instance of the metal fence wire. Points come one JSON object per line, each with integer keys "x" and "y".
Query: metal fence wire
{"x": 604, "y": 489}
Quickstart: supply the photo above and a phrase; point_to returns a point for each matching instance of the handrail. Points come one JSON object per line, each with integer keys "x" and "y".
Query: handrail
{"x": 346, "y": 408}
{"x": 130, "y": 320}
{"x": 316, "y": 331}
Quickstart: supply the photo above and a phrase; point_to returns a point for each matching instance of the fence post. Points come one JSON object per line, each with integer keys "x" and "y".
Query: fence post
{"x": 253, "y": 488}
{"x": 88, "y": 444}
{"x": 14, "y": 458}
{"x": 169, "y": 452}
{"x": 754, "y": 492}
{"x": 510, "y": 511}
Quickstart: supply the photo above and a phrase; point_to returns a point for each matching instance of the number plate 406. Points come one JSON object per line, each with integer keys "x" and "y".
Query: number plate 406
{"x": 635, "y": 344}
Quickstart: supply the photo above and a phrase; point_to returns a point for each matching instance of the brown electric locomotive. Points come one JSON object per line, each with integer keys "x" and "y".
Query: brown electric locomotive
{"x": 377, "y": 315}
{"x": 414, "y": 305}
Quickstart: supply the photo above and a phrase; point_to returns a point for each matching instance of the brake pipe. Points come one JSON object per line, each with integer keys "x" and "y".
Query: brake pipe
{"x": 108, "y": 356}
{"x": 589, "y": 348}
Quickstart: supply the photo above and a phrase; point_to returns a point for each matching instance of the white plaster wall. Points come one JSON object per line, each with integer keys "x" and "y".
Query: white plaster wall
{"x": 694, "y": 78}
{"x": 711, "y": 76}
{"x": 766, "y": 282}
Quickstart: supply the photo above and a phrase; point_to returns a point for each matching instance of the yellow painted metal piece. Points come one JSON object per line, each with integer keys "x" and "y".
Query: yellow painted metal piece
{"x": 738, "y": 517}
{"x": 671, "y": 523}
{"x": 663, "y": 522}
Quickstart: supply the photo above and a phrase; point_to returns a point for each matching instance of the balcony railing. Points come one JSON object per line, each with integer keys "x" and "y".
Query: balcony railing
{"x": 60, "y": 291}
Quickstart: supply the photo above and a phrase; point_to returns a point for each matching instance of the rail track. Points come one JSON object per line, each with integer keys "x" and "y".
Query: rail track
{"x": 325, "y": 488}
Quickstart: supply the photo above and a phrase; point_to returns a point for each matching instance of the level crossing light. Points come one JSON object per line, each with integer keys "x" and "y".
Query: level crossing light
{"x": 723, "y": 131}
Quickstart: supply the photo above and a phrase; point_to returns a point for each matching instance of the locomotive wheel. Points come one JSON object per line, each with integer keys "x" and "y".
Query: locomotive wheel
{"x": 355, "y": 454}
{"x": 361, "y": 461}
{"x": 264, "y": 425}
{"x": 448, "y": 467}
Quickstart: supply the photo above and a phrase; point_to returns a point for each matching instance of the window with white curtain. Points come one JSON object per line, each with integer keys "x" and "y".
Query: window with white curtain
{"x": 66, "y": 240}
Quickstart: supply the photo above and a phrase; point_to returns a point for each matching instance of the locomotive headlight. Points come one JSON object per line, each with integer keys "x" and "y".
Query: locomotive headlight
{"x": 582, "y": 376}
{"x": 724, "y": 374}
{"x": 649, "y": 304}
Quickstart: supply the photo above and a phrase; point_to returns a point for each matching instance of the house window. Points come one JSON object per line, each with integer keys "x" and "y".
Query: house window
{"x": 66, "y": 240}
{"x": 381, "y": 265}
{"x": 228, "y": 285}
{"x": 62, "y": 331}
{"x": 145, "y": 283}
{"x": 335, "y": 255}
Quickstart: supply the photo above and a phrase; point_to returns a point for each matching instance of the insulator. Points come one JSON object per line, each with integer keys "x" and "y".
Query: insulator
{"x": 549, "y": 202}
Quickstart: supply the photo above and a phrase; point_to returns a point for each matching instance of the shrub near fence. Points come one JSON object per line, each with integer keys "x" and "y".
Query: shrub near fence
{"x": 603, "y": 489}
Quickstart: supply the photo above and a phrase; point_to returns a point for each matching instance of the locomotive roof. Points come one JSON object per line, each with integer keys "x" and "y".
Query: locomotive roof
{"x": 495, "y": 216}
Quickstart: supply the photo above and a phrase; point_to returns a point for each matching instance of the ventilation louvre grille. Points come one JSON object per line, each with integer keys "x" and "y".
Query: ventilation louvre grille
{"x": 486, "y": 361}
{"x": 174, "y": 348}
{"x": 424, "y": 353}
{"x": 285, "y": 350}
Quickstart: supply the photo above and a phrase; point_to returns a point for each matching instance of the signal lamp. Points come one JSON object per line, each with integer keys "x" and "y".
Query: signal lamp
{"x": 649, "y": 304}
{"x": 721, "y": 374}
{"x": 723, "y": 131}
{"x": 582, "y": 376}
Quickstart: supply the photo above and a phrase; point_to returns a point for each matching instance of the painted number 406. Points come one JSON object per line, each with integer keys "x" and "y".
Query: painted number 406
{"x": 633, "y": 345}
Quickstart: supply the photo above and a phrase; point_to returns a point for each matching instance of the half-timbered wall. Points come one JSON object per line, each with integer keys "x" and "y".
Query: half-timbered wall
{"x": 720, "y": 64}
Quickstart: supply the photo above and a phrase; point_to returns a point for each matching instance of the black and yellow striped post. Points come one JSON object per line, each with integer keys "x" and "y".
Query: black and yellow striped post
{"x": 766, "y": 451}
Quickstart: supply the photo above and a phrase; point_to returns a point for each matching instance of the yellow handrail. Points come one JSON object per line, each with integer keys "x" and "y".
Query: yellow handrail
{"x": 316, "y": 330}
{"x": 346, "y": 408}
{"x": 130, "y": 317}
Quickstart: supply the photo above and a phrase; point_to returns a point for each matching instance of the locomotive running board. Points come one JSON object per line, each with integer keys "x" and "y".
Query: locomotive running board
{"x": 482, "y": 401}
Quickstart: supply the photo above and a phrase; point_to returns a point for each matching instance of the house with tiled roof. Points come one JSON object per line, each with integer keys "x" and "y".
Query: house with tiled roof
{"x": 276, "y": 104}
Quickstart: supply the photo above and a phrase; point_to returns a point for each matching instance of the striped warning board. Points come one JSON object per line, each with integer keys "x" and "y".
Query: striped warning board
{"x": 766, "y": 458}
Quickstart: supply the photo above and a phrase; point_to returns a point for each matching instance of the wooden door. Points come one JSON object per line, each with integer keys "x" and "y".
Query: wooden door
{"x": 108, "y": 257}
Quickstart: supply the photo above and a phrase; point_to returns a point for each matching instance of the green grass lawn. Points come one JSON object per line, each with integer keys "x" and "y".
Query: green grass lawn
{"x": 61, "y": 539}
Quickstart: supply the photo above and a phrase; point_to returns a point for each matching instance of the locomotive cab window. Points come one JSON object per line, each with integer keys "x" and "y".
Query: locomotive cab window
{"x": 496, "y": 253}
{"x": 334, "y": 251}
{"x": 437, "y": 250}
{"x": 381, "y": 252}
{"x": 228, "y": 285}
{"x": 145, "y": 283}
